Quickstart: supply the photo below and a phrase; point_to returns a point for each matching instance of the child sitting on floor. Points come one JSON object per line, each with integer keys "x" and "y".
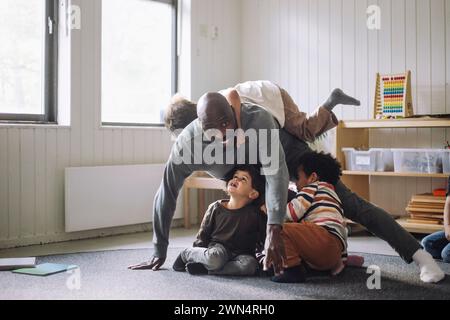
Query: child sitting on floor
{"x": 316, "y": 235}
{"x": 438, "y": 244}
{"x": 231, "y": 230}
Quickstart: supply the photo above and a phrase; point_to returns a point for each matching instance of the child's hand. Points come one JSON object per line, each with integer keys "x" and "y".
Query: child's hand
{"x": 447, "y": 232}
{"x": 263, "y": 208}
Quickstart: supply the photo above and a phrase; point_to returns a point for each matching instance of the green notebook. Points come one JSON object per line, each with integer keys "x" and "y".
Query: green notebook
{"x": 46, "y": 269}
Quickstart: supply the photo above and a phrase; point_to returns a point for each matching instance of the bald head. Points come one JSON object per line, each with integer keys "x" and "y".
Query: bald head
{"x": 214, "y": 112}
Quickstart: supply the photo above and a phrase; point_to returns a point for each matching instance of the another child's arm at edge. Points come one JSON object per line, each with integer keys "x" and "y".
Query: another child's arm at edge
{"x": 447, "y": 218}
{"x": 298, "y": 206}
{"x": 204, "y": 234}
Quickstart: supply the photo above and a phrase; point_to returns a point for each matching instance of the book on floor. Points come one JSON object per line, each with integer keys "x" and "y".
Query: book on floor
{"x": 16, "y": 263}
{"x": 46, "y": 269}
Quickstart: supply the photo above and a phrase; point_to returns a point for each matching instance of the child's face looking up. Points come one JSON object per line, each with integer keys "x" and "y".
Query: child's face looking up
{"x": 241, "y": 186}
{"x": 304, "y": 180}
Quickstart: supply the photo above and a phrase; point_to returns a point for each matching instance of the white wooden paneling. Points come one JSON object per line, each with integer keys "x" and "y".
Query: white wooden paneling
{"x": 336, "y": 50}
{"x": 313, "y": 48}
{"x": 27, "y": 183}
{"x": 4, "y": 207}
{"x": 14, "y": 181}
{"x": 438, "y": 83}
{"x": 292, "y": 62}
{"x": 62, "y": 162}
{"x": 348, "y": 49}
{"x": 108, "y": 146}
{"x": 40, "y": 167}
{"x": 303, "y": 55}
{"x": 51, "y": 181}
{"x": 361, "y": 56}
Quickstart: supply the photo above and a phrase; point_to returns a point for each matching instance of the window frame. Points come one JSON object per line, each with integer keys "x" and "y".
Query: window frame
{"x": 50, "y": 74}
{"x": 174, "y": 85}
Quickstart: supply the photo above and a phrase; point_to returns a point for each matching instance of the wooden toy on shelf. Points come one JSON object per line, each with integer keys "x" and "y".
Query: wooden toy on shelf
{"x": 393, "y": 98}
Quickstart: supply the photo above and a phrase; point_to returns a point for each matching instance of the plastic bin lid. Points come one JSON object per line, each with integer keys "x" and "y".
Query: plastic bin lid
{"x": 418, "y": 150}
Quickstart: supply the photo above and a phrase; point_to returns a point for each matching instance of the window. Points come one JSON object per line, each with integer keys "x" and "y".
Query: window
{"x": 28, "y": 60}
{"x": 138, "y": 60}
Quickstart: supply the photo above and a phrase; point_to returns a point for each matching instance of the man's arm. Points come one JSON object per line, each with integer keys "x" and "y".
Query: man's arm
{"x": 271, "y": 157}
{"x": 164, "y": 206}
{"x": 274, "y": 168}
{"x": 165, "y": 203}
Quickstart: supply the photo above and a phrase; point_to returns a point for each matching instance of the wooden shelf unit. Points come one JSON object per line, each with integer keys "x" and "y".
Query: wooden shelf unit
{"x": 355, "y": 134}
{"x": 396, "y": 174}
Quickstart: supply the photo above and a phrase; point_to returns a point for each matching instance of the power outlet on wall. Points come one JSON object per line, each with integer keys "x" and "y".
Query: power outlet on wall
{"x": 203, "y": 30}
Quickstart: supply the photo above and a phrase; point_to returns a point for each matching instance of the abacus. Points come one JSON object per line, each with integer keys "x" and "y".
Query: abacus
{"x": 393, "y": 98}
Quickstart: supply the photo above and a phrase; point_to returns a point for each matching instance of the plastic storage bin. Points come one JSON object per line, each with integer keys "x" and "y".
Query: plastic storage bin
{"x": 445, "y": 157}
{"x": 418, "y": 160}
{"x": 375, "y": 159}
{"x": 384, "y": 159}
{"x": 356, "y": 160}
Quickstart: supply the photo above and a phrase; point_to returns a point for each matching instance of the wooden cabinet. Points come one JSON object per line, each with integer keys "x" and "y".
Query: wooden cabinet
{"x": 356, "y": 134}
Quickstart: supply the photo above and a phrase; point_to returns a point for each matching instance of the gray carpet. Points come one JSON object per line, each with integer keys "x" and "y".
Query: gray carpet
{"x": 104, "y": 275}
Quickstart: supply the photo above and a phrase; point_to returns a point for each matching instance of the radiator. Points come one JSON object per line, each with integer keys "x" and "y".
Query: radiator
{"x": 103, "y": 197}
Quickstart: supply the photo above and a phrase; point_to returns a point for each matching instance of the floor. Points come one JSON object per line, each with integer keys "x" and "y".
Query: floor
{"x": 358, "y": 242}
{"x": 112, "y": 256}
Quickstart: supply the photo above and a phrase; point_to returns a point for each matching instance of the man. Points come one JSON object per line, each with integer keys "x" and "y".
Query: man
{"x": 215, "y": 119}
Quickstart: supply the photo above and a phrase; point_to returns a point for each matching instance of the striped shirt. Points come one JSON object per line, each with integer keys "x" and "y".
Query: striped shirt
{"x": 318, "y": 203}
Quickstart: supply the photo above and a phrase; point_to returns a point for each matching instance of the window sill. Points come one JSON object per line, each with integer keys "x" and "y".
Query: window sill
{"x": 31, "y": 125}
{"x": 133, "y": 127}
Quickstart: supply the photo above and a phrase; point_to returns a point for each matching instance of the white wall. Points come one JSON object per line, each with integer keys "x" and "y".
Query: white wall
{"x": 32, "y": 159}
{"x": 216, "y": 63}
{"x": 312, "y": 46}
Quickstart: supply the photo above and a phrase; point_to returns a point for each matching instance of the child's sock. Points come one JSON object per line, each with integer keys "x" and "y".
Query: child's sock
{"x": 196, "y": 269}
{"x": 354, "y": 261}
{"x": 339, "y": 97}
{"x": 295, "y": 274}
{"x": 429, "y": 270}
{"x": 179, "y": 265}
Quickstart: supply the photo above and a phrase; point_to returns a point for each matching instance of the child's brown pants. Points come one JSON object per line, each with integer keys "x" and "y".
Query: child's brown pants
{"x": 312, "y": 244}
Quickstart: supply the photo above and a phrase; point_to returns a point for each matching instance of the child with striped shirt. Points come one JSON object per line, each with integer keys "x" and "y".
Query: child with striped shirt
{"x": 315, "y": 233}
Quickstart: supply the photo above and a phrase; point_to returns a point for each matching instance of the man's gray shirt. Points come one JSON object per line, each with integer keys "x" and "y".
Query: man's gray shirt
{"x": 182, "y": 163}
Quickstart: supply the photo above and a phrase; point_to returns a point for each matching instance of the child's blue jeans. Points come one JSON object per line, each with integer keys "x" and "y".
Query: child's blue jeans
{"x": 437, "y": 245}
{"x": 219, "y": 261}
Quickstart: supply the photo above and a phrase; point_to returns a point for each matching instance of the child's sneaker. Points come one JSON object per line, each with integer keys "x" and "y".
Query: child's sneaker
{"x": 179, "y": 264}
{"x": 196, "y": 269}
{"x": 295, "y": 274}
{"x": 265, "y": 273}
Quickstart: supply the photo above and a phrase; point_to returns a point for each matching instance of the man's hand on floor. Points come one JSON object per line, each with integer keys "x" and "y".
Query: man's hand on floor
{"x": 153, "y": 264}
{"x": 276, "y": 255}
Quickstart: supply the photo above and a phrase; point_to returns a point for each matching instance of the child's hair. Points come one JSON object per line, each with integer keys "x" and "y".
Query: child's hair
{"x": 258, "y": 181}
{"x": 327, "y": 168}
{"x": 179, "y": 113}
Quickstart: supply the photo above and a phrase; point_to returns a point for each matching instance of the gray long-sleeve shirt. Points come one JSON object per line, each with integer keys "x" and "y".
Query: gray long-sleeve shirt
{"x": 183, "y": 161}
